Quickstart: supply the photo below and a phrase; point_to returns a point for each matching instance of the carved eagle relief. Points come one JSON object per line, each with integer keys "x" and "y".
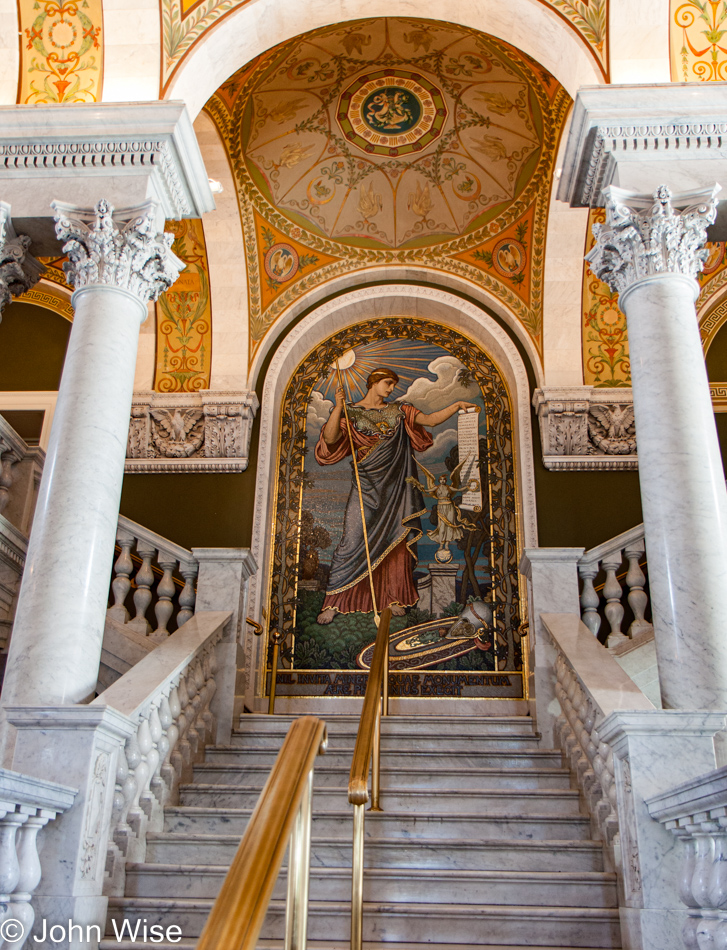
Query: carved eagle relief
{"x": 177, "y": 434}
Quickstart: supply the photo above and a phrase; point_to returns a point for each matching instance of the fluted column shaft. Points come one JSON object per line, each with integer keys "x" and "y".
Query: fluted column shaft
{"x": 651, "y": 254}
{"x": 116, "y": 266}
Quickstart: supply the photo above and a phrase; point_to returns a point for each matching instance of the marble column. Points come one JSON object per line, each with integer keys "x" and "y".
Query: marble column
{"x": 117, "y": 263}
{"x": 650, "y": 251}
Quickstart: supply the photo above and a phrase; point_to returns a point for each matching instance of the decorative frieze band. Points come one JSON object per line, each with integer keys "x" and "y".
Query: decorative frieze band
{"x": 586, "y": 428}
{"x": 190, "y": 432}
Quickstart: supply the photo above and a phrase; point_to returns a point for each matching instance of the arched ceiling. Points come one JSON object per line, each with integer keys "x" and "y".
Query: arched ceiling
{"x": 392, "y": 140}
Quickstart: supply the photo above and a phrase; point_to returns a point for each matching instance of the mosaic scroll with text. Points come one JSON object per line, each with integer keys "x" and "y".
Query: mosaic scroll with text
{"x": 442, "y": 528}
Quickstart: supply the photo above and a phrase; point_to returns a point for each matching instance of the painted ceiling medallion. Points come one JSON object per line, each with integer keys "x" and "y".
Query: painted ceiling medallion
{"x": 391, "y": 112}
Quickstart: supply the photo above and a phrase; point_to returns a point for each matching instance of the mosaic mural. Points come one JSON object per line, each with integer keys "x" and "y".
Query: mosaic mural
{"x": 605, "y": 340}
{"x": 392, "y": 141}
{"x": 429, "y": 420}
{"x": 184, "y": 316}
{"x": 184, "y": 23}
{"x": 698, "y": 51}
{"x": 61, "y": 51}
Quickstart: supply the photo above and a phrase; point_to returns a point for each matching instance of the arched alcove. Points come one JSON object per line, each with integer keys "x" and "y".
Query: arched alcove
{"x": 387, "y": 306}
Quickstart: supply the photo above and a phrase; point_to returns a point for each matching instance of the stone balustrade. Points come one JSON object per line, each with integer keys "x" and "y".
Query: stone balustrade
{"x": 695, "y": 813}
{"x": 26, "y": 806}
{"x": 590, "y": 686}
{"x": 169, "y": 697}
{"x": 153, "y": 551}
{"x": 609, "y": 558}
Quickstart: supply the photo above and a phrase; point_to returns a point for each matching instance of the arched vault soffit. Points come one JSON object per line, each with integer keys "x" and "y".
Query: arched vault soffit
{"x": 422, "y": 303}
{"x": 197, "y": 59}
{"x": 392, "y": 142}
{"x": 379, "y": 287}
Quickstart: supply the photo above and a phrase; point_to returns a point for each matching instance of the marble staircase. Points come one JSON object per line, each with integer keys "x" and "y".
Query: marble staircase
{"x": 482, "y": 843}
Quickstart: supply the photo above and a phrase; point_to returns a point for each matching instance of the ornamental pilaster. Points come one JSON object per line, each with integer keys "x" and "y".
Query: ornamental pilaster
{"x": 117, "y": 249}
{"x": 645, "y": 237}
{"x": 19, "y": 271}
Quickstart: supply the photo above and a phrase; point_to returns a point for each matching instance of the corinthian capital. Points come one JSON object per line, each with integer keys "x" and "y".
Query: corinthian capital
{"x": 116, "y": 249}
{"x": 645, "y": 236}
{"x": 19, "y": 271}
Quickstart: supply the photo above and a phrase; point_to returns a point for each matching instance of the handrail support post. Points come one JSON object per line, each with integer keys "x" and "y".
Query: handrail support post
{"x": 357, "y": 877}
{"x": 376, "y": 762}
{"x": 296, "y": 909}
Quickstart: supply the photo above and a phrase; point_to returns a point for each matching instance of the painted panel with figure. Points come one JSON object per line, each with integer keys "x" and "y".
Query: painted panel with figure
{"x": 397, "y": 489}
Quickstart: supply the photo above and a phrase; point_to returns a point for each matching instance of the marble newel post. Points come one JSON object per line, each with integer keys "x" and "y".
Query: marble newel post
{"x": 650, "y": 251}
{"x": 117, "y": 263}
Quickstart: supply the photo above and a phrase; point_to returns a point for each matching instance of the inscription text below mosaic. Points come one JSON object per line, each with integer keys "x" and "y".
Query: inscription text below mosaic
{"x": 429, "y": 504}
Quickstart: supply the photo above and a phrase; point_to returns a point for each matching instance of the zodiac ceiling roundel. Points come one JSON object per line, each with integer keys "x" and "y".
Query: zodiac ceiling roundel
{"x": 391, "y": 112}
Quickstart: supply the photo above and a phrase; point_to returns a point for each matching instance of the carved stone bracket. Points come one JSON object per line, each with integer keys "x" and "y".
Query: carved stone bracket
{"x": 190, "y": 432}
{"x": 586, "y": 428}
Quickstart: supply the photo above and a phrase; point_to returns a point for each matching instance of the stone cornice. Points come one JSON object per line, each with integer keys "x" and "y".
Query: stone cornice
{"x": 617, "y": 128}
{"x": 154, "y": 139}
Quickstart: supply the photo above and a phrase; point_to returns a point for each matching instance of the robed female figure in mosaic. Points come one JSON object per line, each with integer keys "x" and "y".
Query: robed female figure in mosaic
{"x": 385, "y": 437}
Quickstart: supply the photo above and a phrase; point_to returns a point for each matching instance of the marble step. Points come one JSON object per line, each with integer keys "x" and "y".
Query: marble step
{"x": 113, "y": 944}
{"x": 422, "y": 803}
{"x": 431, "y": 744}
{"x": 475, "y": 726}
{"x": 390, "y": 824}
{"x": 214, "y": 772}
{"x": 476, "y": 757}
{"x": 457, "y": 924}
{"x": 393, "y": 885}
{"x": 491, "y": 854}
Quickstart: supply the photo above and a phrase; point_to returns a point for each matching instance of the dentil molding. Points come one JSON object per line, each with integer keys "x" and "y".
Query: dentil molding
{"x": 205, "y": 431}
{"x": 585, "y": 428}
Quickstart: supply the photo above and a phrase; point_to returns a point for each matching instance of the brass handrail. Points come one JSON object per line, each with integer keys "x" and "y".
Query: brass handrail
{"x": 368, "y": 747}
{"x": 283, "y": 812}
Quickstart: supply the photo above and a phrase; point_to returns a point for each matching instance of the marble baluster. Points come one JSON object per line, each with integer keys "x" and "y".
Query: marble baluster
{"x": 188, "y": 596}
{"x": 164, "y": 607}
{"x": 651, "y": 254}
{"x": 613, "y": 592}
{"x": 636, "y": 582}
{"x": 117, "y": 265}
{"x": 144, "y": 579}
{"x": 589, "y": 598}
{"x": 121, "y": 584}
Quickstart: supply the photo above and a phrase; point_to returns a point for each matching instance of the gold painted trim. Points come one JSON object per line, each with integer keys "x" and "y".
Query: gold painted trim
{"x": 43, "y": 296}
{"x": 718, "y": 392}
{"x": 712, "y": 324}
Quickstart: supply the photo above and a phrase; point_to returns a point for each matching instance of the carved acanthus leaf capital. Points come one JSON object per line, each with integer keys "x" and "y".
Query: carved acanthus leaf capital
{"x": 116, "y": 249}
{"x": 19, "y": 271}
{"x": 645, "y": 236}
